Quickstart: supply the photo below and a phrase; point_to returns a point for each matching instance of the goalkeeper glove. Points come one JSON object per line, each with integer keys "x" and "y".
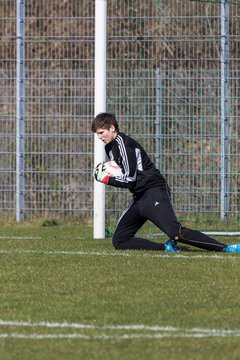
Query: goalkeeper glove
{"x": 100, "y": 173}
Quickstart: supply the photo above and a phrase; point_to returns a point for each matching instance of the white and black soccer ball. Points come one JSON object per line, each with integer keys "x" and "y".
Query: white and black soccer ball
{"x": 112, "y": 168}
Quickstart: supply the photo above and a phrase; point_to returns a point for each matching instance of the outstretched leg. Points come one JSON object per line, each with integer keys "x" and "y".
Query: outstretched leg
{"x": 198, "y": 239}
{"x": 157, "y": 207}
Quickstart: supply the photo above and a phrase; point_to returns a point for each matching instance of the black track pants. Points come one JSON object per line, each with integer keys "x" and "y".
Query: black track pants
{"x": 155, "y": 205}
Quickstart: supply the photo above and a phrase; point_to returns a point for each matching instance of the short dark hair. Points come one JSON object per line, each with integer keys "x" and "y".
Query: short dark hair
{"x": 104, "y": 121}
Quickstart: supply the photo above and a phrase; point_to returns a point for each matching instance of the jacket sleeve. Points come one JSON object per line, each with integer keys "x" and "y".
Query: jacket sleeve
{"x": 127, "y": 160}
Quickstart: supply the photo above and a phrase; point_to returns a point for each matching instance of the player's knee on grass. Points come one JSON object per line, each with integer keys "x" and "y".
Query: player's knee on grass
{"x": 118, "y": 241}
{"x": 118, "y": 246}
{"x": 115, "y": 245}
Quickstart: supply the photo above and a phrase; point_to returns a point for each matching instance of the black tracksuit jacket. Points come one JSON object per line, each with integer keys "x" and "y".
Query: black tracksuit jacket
{"x": 139, "y": 172}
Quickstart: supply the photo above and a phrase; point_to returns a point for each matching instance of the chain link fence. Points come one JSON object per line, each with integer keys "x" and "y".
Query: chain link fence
{"x": 164, "y": 69}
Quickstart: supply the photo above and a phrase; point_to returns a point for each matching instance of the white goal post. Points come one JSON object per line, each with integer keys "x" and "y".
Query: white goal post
{"x": 100, "y": 106}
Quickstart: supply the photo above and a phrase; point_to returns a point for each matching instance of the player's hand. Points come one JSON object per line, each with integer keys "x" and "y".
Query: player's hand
{"x": 100, "y": 173}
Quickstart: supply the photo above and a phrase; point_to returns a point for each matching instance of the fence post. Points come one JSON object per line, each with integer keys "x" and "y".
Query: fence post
{"x": 100, "y": 106}
{"x": 224, "y": 106}
{"x": 20, "y": 102}
{"x": 158, "y": 122}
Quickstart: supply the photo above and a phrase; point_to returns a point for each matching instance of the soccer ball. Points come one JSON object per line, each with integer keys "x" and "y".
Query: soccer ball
{"x": 112, "y": 168}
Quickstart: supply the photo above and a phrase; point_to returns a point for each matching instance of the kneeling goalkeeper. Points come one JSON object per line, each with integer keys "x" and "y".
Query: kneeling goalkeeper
{"x": 151, "y": 195}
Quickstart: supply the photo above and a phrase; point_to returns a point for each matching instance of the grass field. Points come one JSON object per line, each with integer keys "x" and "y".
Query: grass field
{"x": 67, "y": 296}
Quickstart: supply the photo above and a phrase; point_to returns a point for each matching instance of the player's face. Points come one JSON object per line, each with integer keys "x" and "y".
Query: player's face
{"x": 105, "y": 135}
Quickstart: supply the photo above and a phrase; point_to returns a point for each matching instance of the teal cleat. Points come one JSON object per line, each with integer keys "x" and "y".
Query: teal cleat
{"x": 170, "y": 246}
{"x": 232, "y": 248}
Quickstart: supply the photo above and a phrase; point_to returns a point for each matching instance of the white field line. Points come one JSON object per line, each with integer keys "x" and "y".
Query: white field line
{"x": 105, "y": 337}
{"x": 124, "y": 254}
{"x": 30, "y": 238}
{"x": 139, "y": 327}
{"x": 20, "y": 237}
{"x": 136, "y": 331}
